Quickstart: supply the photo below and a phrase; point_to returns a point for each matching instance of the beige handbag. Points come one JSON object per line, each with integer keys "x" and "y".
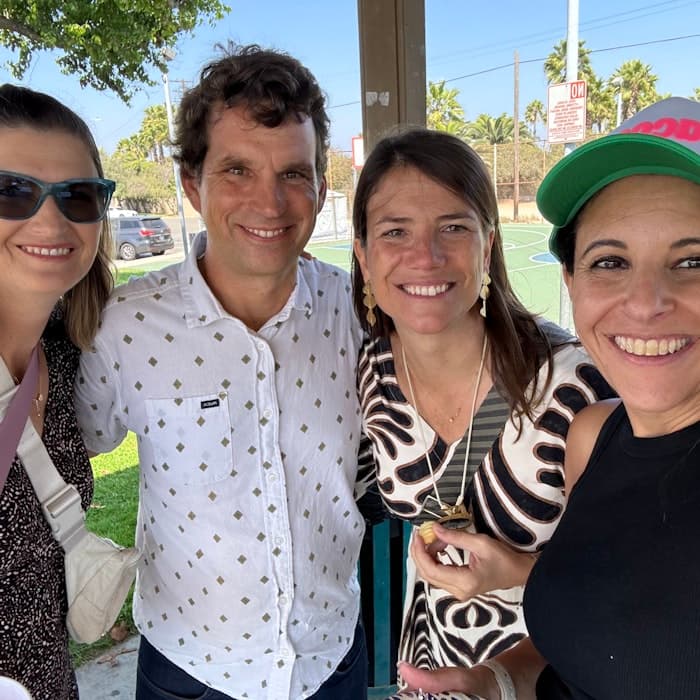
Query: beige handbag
{"x": 98, "y": 571}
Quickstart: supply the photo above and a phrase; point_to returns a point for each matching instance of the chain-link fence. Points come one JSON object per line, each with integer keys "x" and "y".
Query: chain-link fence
{"x": 536, "y": 158}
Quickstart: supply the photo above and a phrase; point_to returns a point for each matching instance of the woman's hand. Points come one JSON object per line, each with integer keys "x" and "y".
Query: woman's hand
{"x": 523, "y": 663}
{"x": 478, "y": 681}
{"x": 492, "y": 565}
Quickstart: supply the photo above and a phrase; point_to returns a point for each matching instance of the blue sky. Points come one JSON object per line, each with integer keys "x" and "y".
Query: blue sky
{"x": 462, "y": 37}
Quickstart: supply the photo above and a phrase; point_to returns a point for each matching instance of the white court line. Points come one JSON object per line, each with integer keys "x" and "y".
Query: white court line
{"x": 530, "y": 267}
{"x": 520, "y": 246}
{"x": 543, "y": 236}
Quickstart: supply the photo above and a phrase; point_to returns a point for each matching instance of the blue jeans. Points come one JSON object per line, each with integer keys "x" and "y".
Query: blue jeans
{"x": 157, "y": 678}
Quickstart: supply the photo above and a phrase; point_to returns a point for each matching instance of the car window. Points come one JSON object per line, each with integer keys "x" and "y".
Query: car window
{"x": 153, "y": 222}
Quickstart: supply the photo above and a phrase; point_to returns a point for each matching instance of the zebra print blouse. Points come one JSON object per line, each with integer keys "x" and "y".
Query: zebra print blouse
{"x": 516, "y": 492}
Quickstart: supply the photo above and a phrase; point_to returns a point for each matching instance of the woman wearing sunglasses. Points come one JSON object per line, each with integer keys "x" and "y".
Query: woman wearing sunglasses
{"x": 54, "y": 279}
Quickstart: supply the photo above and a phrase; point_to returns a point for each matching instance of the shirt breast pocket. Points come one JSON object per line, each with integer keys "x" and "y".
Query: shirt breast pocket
{"x": 191, "y": 438}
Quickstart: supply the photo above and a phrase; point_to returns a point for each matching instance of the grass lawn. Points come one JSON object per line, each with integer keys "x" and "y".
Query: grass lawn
{"x": 533, "y": 274}
{"x": 113, "y": 514}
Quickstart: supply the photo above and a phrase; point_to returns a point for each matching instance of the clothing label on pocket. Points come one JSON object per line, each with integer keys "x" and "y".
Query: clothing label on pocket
{"x": 191, "y": 439}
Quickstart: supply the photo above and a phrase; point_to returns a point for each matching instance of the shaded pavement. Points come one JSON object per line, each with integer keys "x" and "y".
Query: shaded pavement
{"x": 111, "y": 676}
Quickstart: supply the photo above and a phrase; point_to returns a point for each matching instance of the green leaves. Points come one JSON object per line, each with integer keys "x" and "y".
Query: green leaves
{"x": 107, "y": 44}
{"x": 443, "y": 110}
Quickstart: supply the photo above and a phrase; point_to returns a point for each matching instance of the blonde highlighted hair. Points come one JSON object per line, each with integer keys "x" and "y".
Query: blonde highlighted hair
{"x": 83, "y": 304}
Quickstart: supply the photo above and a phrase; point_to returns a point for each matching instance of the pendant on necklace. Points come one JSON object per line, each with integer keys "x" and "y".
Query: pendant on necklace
{"x": 456, "y": 517}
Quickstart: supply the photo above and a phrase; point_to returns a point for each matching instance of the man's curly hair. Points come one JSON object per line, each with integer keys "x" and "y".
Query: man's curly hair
{"x": 272, "y": 85}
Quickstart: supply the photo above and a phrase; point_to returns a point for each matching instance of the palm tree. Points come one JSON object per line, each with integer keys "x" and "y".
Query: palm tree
{"x": 601, "y": 107}
{"x": 638, "y": 86}
{"x": 494, "y": 131}
{"x": 555, "y": 63}
{"x": 154, "y": 130}
{"x": 535, "y": 112}
{"x": 487, "y": 129}
{"x": 696, "y": 96}
{"x": 443, "y": 110}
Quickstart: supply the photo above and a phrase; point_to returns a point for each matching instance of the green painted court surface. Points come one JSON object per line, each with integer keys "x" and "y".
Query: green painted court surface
{"x": 533, "y": 272}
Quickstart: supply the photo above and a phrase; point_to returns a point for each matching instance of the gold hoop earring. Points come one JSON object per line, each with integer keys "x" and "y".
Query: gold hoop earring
{"x": 369, "y": 302}
{"x": 484, "y": 292}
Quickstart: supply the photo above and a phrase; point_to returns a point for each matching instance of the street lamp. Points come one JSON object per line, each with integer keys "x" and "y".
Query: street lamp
{"x": 168, "y": 54}
{"x": 618, "y": 82}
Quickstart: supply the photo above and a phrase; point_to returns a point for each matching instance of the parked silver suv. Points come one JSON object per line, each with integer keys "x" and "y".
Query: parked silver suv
{"x": 138, "y": 235}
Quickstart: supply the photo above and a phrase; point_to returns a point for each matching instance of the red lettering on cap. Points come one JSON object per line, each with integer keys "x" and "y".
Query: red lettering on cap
{"x": 689, "y": 130}
{"x": 669, "y": 128}
{"x": 665, "y": 127}
{"x": 641, "y": 128}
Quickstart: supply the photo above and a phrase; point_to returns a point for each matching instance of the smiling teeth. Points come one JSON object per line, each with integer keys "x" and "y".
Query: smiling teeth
{"x": 266, "y": 233}
{"x": 651, "y": 347}
{"x": 425, "y": 290}
{"x": 51, "y": 252}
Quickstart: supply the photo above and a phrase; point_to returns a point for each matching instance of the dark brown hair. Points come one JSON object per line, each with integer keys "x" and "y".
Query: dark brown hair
{"x": 272, "y": 85}
{"x": 83, "y": 304}
{"x": 517, "y": 344}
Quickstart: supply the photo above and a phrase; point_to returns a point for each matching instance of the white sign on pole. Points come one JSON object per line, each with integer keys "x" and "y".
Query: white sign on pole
{"x": 358, "y": 152}
{"x": 566, "y": 112}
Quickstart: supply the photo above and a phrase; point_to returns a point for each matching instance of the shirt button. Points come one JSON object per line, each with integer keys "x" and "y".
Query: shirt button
{"x": 272, "y": 477}
{"x": 260, "y": 345}
{"x": 267, "y": 413}
{"x": 279, "y": 541}
{"x": 283, "y": 600}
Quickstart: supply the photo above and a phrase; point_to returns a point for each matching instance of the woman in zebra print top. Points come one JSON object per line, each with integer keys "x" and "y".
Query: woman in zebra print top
{"x": 428, "y": 258}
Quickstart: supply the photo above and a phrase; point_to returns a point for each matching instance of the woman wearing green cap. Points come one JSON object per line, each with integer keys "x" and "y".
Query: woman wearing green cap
{"x": 611, "y": 605}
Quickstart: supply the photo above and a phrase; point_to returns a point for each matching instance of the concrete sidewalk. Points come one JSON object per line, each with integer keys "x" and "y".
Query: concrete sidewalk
{"x": 112, "y": 675}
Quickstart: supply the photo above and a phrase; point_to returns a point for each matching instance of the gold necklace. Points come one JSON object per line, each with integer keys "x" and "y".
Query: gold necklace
{"x": 38, "y": 400}
{"x": 455, "y": 517}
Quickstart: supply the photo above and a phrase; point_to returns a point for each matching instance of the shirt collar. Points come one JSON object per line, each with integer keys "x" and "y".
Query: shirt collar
{"x": 201, "y": 307}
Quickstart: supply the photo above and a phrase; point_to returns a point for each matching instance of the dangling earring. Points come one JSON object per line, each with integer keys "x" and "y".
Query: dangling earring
{"x": 369, "y": 303}
{"x": 484, "y": 292}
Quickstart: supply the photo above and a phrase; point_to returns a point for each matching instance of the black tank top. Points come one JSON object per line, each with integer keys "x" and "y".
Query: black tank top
{"x": 613, "y": 603}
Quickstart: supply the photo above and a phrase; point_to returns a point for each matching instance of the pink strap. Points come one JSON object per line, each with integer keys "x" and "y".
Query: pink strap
{"x": 16, "y": 416}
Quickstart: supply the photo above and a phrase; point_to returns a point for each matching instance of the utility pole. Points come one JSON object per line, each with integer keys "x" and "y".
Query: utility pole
{"x": 176, "y": 167}
{"x": 571, "y": 52}
{"x": 571, "y": 75}
{"x": 516, "y": 136}
{"x": 617, "y": 83}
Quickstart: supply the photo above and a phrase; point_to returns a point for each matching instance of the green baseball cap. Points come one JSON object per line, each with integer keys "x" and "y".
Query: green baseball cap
{"x": 663, "y": 139}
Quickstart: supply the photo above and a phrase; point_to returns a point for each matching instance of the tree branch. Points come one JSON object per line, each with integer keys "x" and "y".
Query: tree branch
{"x": 10, "y": 25}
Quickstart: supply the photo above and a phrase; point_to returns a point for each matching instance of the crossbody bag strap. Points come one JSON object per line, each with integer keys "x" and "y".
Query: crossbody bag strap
{"x": 18, "y": 401}
{"x": 59, "y": 501}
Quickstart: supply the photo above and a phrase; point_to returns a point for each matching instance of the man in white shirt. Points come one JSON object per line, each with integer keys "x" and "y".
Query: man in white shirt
{"x": 236, "y": 370}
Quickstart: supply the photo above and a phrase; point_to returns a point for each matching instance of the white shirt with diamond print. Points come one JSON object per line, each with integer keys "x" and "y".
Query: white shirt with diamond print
{"x": 248, "y": 451}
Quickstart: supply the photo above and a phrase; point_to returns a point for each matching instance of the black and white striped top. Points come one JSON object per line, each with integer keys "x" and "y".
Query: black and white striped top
{"x": 515, "y": 484}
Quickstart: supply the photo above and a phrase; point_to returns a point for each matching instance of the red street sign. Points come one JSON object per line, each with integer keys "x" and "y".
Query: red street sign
{"x": 566, "y": 112}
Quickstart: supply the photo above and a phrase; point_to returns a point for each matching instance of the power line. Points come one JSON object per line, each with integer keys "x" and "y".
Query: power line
{"x": 540, "y": 60}
{"x": 590, "y": 25}
{"x": 646, "y": 43}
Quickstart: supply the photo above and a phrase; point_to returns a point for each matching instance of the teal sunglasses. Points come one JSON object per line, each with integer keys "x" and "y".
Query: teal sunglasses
{"x": 81, "y": 200}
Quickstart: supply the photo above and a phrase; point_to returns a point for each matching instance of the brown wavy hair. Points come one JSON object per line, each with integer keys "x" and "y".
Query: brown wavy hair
{"x": 517, "y": 344}
{"x": 82, "y": 305}
{"x": 272, "y": 85}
